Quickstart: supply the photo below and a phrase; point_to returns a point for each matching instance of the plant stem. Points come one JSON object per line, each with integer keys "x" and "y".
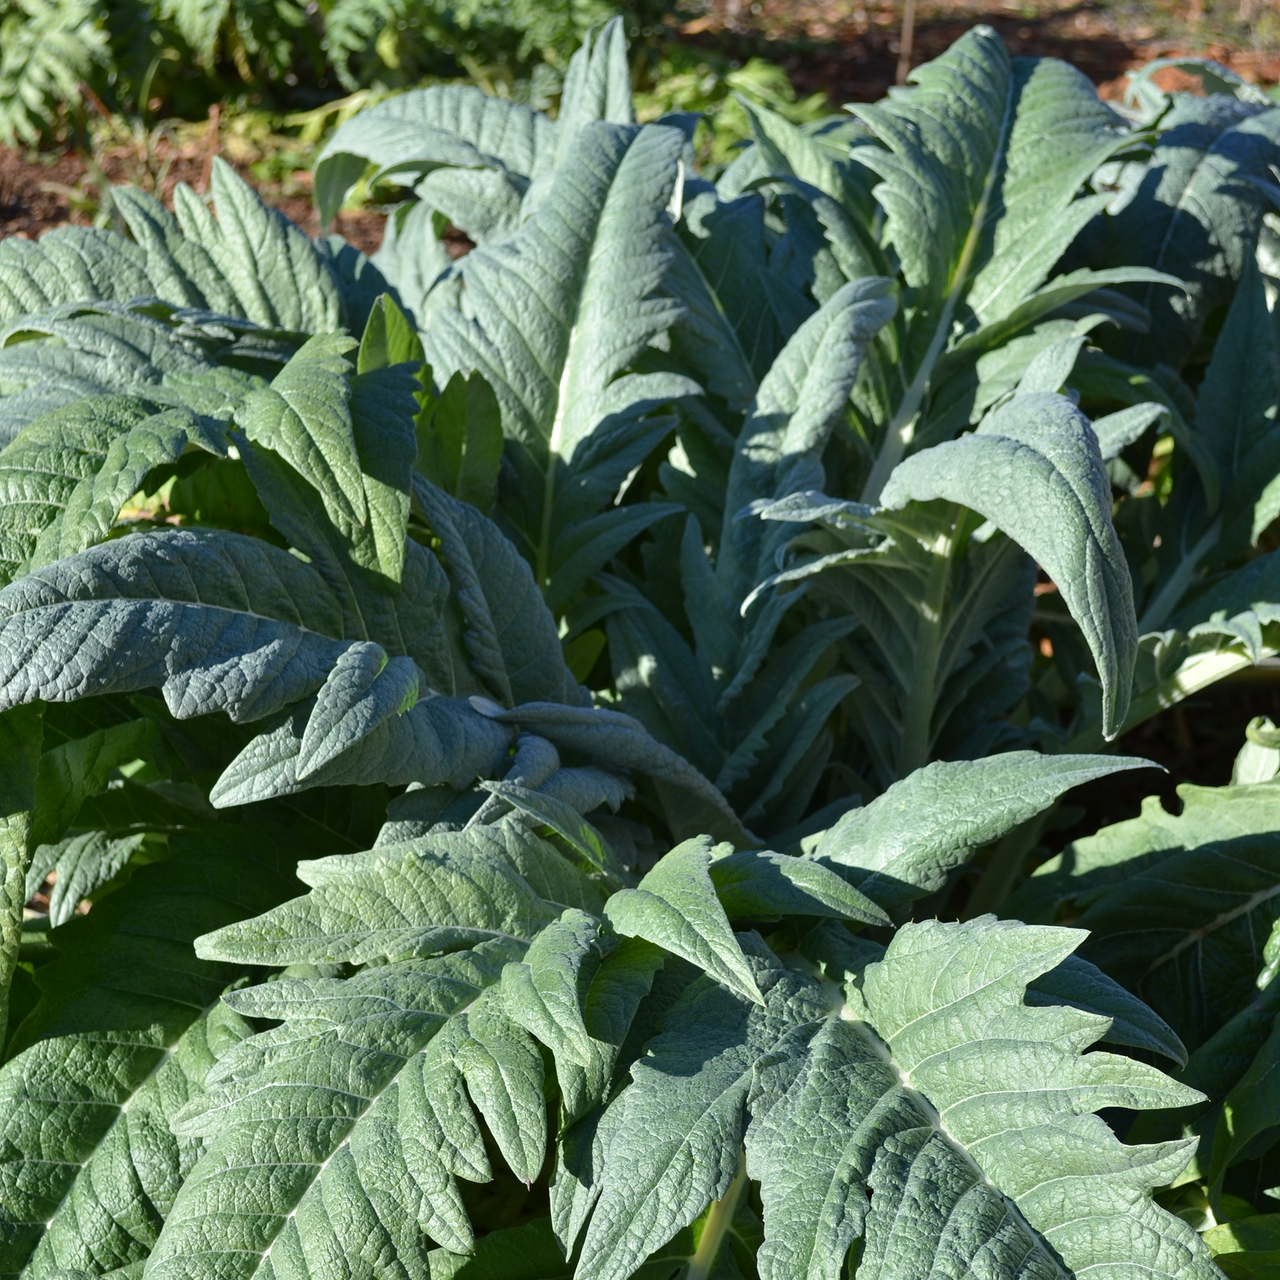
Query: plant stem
{"x": 1007, "y": 860}
{"x": 1167, "y": 597}
{"x": 916, "y": 743}
{"x": 906, "y": 40}
{"x": 717, "y": 1225}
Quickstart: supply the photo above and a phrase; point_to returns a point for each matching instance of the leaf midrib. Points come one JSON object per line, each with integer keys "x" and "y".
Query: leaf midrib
{"x": 901, "y": 426}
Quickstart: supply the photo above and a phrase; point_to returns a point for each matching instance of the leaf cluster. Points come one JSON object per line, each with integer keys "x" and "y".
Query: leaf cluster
{"x": 502, "y": 744}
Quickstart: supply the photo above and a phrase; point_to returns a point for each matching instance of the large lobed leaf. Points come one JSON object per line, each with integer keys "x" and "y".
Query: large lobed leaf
{"x": 934, "y": 1088}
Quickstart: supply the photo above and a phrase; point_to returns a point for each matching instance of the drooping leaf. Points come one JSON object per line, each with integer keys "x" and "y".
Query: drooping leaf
{"x": 213, "y": 608}
{"x": 1038, "y": 454}
{"x": 757, "y": 885}
{"x": 54, "y": 361}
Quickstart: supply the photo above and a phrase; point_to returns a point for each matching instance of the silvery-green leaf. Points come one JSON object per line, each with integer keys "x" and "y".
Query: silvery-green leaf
{"x": 414, "y": 261}
{"x": 546, "y": 991}
{"x": 72, "y": 264}
{"x": 437, "y": 740}
{"x": 596, "y": 88}
{"x": 484, "y": 203}
{"x": 1035, "y": 456}
{"x": 551, "y": 367}
{"x": 941, "y": 1000}
{"x": 675, "y": 906}
{"x": 304, "y": 416}
{"x": 58, "y": 359}
{"x": 558, "y": 814}
{"x": 511, "y": 638}
{"x": 215, "y": 620}
{"x": 64, "y": 480}
{"x": 1081, "y": 985}
{"x": 1192, "y": 213}
{"x": 383, "y": 409}
{"x": 758, "y": 885}
{"x": 252, "y": 262}
{"x": 990, "y": 154}
{"x": 362, "y": 690}
{"x": 443, "y": 125}
{"x": 269, "y": 264}
{"x": 915, "y": 1119}
{"x": 798, "y": 404}
{"x": 388, "y": 1132}
{"x": 614, "y": 739}
{"x": 557, "y": 312}
{"x": 675, "y": 1132}
{"x": 1115, "y": 431}
{"x": 504, "y": 1074}
{"x": 414, "y": 899}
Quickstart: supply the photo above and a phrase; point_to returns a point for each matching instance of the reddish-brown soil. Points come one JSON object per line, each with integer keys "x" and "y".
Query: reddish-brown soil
{"x": 850, "y": 49}
{"x": 39, "y": 192}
